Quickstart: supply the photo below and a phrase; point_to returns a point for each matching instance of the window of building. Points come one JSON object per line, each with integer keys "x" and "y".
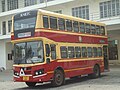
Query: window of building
{"x": 77, "y": 52}
{"x": 109, "y": 8}
{"x": 71, "y": 53}
{"x": 59, "y": 11}
{"x": 89, "y": 49}
{"x": 4, "y": 28}
{"x": 82, "y": 27}
{"x": 9, "y": 25}
{"x": 63, "y": 51}
{"x": 41, "y": 1}
{"x": 113, "y": 49}
{"x": 98, "y": 30}
{"x": 93, "y": 29}
{"x": 61, "y": 23}
{"x": 99, "y": 51}
{"x": 75, "y": 26}
{"x": 53, "y": 51}
{"x": 84, "y": 52}
{"x": 87, "y": 28}
{"x": 82, "y": 12}
{"x": 30, "y": 2}
{"x": 69, "y": 25}
{"x": 45, "y": 22}
{"x": 12, "y": 4}
{"x": 94, "y": 51}
{"x": 53, "y": 22}
{"x": 3, "y": 5}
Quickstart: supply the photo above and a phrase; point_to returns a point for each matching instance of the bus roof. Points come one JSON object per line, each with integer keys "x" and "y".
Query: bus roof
{"x": 44, "y": 12}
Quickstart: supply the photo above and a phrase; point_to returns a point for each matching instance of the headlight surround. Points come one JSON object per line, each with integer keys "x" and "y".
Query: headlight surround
{"x": 16, "y": 73}
{"x": 39, "y": 72}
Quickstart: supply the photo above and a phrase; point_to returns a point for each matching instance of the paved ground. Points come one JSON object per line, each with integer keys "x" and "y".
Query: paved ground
{"x": 108, "y": 81}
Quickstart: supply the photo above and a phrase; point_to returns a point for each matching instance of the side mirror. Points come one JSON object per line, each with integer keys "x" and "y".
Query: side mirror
{"x": 48, "y": 60}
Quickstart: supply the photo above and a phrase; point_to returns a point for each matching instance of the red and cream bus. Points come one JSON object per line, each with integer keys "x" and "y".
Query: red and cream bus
{"x": 51, "y": 47}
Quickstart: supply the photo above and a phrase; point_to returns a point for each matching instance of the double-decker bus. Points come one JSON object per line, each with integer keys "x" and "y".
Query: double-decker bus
{"x": 51, "y": 47}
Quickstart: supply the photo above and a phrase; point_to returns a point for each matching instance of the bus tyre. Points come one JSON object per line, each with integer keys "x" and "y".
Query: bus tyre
{"x": 58, "y": 78}
{"x": 30, "y": 84}
{"x": 96, "y": 72}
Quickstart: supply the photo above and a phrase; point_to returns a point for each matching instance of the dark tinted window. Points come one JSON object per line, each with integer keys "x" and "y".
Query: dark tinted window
{"x": 93, "y": 31}
{"x": 53, "y": 22}
{"x": 94, "y": 51}
{"x": 61, "y": 23}
{"x": 78, "y": 52}
{"x": 53, "y": 51}
{"x": 71, "y": 52}
{"x": 75, "y": 26}
{"x": 45, "y": 22}
{"x": 82, "y": 27}
{"x": 84, "y": 52}
{"x": 69, "y": 25}
{"x": 87, "y": 27}
{"x": 98, "y": 30}
{"x": 63, "y": 51}
{"x": 89, "y": 49}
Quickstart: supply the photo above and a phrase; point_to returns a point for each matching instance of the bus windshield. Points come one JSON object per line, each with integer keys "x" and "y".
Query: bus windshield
{"x": 24, "y": 23}
{"x": 29, "y": 52}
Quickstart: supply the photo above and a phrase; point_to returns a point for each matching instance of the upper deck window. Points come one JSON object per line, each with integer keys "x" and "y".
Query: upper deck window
{"x": 25, "y": 23}
{"x": 69, "y": 25}
{"x": 87, "y": 28}
{"x": 102, "y": 30}
{"x": 45, "y": 22}
{"x": 61, "y": 23}
{"x": 93, "y": 29}
{"x": 75, "y": 26}
{"x": 53, "y": 22}
{"x": 98, "y": 30}
{"x": 82, "y": 27}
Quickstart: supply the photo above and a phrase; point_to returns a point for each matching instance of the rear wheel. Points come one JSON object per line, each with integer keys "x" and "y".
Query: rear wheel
{"x": 58, "y": 78}
{"x": 96, "y": 72}
{"x": 30, "y": 84}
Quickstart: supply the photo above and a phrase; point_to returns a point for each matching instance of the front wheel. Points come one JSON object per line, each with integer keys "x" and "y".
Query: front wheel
{"x": 58, "y": 78}
{"x": 30, "y": 84}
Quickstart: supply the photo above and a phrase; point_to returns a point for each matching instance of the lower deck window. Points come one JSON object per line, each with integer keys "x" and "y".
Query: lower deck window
{"x": 63, "y": 51}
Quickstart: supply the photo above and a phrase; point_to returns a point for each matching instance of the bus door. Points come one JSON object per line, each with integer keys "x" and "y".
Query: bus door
{"x": 105, "y": 55}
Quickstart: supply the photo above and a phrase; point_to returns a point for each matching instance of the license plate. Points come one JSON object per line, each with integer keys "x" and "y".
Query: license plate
{"x": 25, "y": 78}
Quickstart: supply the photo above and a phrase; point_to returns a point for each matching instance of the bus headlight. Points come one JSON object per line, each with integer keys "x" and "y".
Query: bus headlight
{"x": 39, "y": 72}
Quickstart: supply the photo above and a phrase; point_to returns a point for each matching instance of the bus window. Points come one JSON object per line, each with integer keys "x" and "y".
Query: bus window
{"x": 47, "y": 50}
{"x": 93, "y": 29}
{"x": 94, "y": 51}
{"x": 45, "y": 22}
{"x": 82, "y": 27}
{"x": 71, "y": 52}
{"x": 84, "y": 52}
{"x": 98, "y": 30}
{"x": 102, "y": 30}
{"x": 75, "y": 26}
{"x": 63, "y": 51}
{"x": 89, "y": 49}
{"x": 53, "y": 22}
{"x": 69, "y": 25}
{"x": 53, "y": 51}
{"x": 61, "y": 23}
{"x": 87, "y": 28}
{"x": 78, "y": 52}
{"x": 99, "y": 51}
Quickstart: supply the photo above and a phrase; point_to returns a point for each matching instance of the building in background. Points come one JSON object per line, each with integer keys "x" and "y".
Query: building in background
{"x": 106, "y": 11}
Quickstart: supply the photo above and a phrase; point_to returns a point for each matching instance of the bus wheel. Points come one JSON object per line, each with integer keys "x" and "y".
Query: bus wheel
{"x": 30, "y": 84}
{"x": 58, "y": 78}
{"x": 96, "y": 72}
